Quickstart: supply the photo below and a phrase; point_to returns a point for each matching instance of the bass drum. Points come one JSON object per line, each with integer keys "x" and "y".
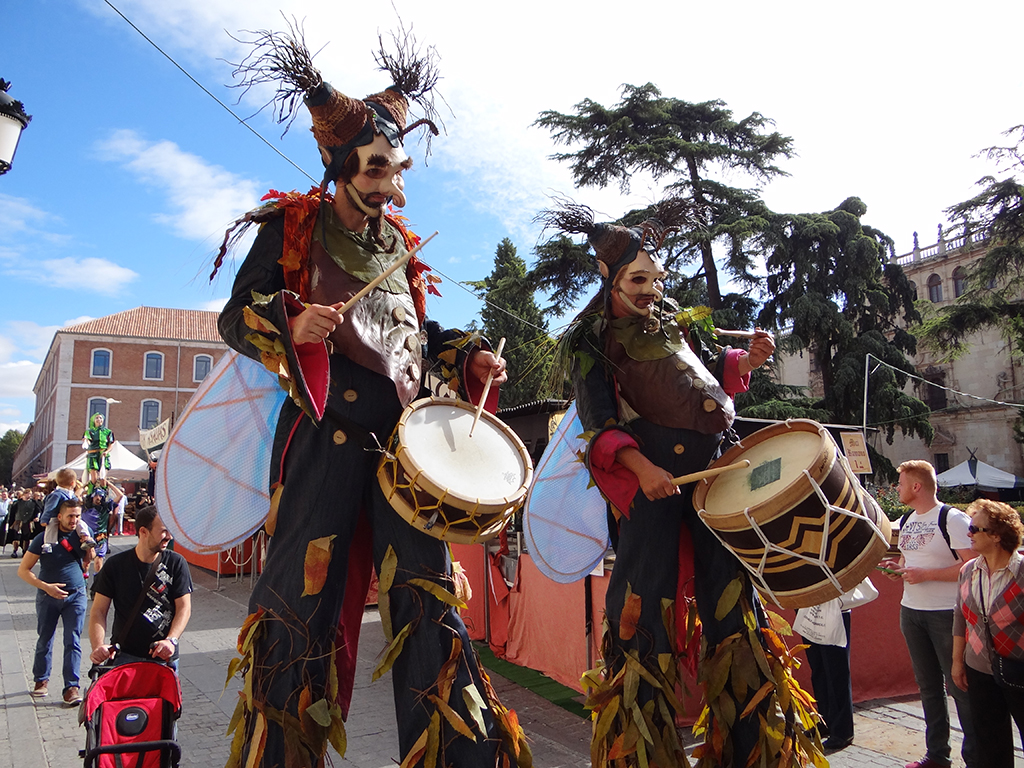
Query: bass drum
{"x": 454, "y": 487}
{"x": 796, "y": 517}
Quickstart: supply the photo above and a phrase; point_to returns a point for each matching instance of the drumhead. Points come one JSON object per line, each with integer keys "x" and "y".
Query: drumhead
{"x": 775, "y": 464}
{"x": 488, "y": 466}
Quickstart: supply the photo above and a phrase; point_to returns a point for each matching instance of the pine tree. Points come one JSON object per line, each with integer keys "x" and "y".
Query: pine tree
{"x": 830, "y": 278}
{"x": 683, "y": 143}
{"x": 511, "y": 312}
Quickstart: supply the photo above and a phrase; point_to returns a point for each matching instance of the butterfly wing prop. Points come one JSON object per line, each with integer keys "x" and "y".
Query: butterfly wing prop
{"x": 212, "y": 489}
{"x": 565, "y": 521}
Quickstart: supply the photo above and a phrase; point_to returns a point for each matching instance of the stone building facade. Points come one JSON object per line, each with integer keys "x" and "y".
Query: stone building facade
{"x": 991, "y": 370}
{"x": 150, "y": 360}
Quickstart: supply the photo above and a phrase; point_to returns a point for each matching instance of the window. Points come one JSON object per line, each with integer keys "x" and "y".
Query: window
{"x": 941, "y": 462}
{"x": 154, "y": 368}
{"x": 201, "y": 365}
{"x": 959, "y": 281}
{"x": 101, "y": 363}
{"x": 150, "y": 415}
{"x": 913, "y": 289}
{"x": 935, "y": 289}
{"x": 97, "y": 405}
{"x": 934, "y": 394}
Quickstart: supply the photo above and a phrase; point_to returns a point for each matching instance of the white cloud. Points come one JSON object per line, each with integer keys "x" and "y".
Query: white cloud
{"x": 19, "y": 215}
{"x": 18, "y": 378}
{"x": 102, "y": 276}
{"x": 214, "y": 305}
{"x": 203, "y": 197}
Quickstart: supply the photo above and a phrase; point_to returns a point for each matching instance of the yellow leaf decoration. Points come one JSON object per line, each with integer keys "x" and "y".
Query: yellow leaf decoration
{"x": 318, "y": 557}
{"x": 391, "y": 652}
{"x": 438, "y": 591}
{"x": 388, "y": 568}
{"x": 727, "y": 601}
{"x": 320, "y": 712}
{"x": 448, "y": 356}
{"x": 258, "y": 323}
{"x": 417, "y": 750}
{"x": 453, "y": 718}
{"x": 475, "y": 704}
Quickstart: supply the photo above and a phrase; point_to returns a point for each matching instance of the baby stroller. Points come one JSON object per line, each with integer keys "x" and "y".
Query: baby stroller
{"x": 130, "y": 714}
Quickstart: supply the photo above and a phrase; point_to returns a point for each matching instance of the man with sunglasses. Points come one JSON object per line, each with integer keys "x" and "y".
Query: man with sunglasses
{"x": 933, "y": 548}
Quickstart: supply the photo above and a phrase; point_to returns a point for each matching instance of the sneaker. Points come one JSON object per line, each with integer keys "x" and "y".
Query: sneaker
{"x": 927, "y": 762}
{"x": 72, "y": 696}
{"x": 41, "y": 689}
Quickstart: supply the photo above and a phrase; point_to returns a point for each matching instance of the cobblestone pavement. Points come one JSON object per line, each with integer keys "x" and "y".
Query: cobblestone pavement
{"x": 44, "y": 734}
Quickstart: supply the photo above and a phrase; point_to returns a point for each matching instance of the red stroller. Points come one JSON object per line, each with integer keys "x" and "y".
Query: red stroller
{"x": 130, "y": 714}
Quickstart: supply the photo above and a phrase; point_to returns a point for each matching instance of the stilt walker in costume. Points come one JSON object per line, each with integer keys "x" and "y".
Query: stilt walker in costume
{"x": 97, "y": 442}
{"x": 654, "y": 410}
{"x": 349, "y": 377}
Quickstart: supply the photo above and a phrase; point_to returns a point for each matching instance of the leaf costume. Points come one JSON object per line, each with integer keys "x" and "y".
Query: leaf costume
{"x": 675, "y": 594}
{"x": 330, "y": 522}
{"x": 99, "y": 440}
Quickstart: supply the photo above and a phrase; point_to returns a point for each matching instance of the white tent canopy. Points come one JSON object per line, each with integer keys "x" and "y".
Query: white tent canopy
{"x": 978, "y": 473}
{"x": 124, "y": 465}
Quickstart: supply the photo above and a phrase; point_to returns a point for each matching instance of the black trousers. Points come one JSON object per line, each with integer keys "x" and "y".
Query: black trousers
{"x": 830, "y": 679}
{"x": 992, "y": 708}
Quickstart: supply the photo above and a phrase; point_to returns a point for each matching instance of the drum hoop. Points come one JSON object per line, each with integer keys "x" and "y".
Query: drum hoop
{"x": 793, "y": 493}
{"x": 769, "y": 547}
{"x": 412, "y": 468}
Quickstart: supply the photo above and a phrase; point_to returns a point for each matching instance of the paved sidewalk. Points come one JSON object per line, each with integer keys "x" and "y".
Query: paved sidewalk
{"x": 44, "y": 734}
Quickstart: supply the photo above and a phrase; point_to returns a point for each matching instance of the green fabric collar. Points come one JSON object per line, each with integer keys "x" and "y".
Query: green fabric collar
{"x": 665, "y": 342}
{"x": 357, "y": 254}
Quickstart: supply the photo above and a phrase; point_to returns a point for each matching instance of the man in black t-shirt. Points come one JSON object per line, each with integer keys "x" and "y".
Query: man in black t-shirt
{"x": 164, "y": 611}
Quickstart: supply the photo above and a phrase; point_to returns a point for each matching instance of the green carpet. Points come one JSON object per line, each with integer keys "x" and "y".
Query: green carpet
{"x": 532, "y": 680}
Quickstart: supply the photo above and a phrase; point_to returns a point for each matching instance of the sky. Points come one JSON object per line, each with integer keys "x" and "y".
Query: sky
{"x": 129, "y": 174}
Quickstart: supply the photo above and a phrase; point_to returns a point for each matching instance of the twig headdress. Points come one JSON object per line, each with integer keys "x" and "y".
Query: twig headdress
{"x": 342, "y": 123}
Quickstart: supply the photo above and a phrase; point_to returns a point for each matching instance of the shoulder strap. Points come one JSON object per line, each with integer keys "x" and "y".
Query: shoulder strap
{"x": 903, "y": 520}
{"x": 130, "y": 618}
{"x": 943, "y": 515}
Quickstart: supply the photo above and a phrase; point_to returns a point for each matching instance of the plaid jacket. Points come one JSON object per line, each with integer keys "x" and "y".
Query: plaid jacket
{"x": 1006, "y": 613}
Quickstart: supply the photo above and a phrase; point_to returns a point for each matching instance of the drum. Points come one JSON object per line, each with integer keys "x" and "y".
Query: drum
{"x": 455, "y": 487}
{"x": 796, "y": 517}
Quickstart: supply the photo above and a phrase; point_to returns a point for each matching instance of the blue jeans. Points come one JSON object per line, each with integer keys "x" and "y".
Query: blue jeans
{"x": 929, "y": 636}
{"x": 71, "y": 612}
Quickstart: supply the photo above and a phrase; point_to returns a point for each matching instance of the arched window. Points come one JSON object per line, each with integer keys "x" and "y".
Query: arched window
{"x": 97, "y": 405}
{"x": 154, "y": 366}
{"x": 959, "y": 281}
{"x": 935, "y": 289}
{"x": 100, "y": 363}
{"x": 149, "y": 415}
{"x": 201, "y": 365}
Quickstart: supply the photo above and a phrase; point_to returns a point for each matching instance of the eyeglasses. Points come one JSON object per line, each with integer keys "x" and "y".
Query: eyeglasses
{"x": 972, "y": 528}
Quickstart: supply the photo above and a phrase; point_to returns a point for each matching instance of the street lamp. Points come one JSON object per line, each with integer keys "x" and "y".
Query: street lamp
{"x": 13, "y": 121}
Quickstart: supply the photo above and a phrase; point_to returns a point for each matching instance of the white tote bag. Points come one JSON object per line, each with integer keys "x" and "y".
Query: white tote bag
{"x": 822, "y": 624}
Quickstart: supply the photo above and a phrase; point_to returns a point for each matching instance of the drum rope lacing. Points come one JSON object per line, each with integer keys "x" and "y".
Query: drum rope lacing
{"x": 769, "y": 547}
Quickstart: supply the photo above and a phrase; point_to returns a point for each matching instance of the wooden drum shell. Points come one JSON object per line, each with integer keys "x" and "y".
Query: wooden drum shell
{"x": 793, "y": 519}
{"x": 435, "y": 502}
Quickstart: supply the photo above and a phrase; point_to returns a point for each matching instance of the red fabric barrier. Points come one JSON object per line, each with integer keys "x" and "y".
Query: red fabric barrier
{"x": 472, "y": 558}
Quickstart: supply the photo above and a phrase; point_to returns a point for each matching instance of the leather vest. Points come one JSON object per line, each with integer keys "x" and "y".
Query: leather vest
{"x": 675, "y": 391}
{"x": 380, "y": 331}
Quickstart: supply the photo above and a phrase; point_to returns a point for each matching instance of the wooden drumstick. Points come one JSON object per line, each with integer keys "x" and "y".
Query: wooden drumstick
{"x": 738, "y": 334}
{"x": 487, "y": 388}
{"x": 704, "y": 473}
{"x": 344, "y": 307}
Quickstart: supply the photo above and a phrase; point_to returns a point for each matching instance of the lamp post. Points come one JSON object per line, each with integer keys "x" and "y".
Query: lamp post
{"x": 13, "y": 121}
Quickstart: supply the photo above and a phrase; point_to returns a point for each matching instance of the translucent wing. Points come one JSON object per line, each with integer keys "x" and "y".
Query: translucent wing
{"x": 212, "y": 489}
{"x": 565, "y": 521}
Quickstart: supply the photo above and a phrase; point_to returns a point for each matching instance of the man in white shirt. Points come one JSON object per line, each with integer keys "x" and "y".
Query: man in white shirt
{"x": 929, "y": 569}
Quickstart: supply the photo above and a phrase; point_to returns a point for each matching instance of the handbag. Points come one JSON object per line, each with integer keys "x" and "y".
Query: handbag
{"x": 860, "y": 595}
{"x": 1008, "y": 673}
{"x": 822, "y": 624}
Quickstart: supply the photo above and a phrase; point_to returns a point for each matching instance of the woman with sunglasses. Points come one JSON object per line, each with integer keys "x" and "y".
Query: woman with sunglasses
{"x": 992, "y": 593}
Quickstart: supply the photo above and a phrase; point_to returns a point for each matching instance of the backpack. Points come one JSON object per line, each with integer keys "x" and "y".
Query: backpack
{"x": 943, "y": 514}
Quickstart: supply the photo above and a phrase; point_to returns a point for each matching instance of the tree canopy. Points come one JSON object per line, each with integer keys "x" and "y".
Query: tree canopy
{"x": 510, "y": 311}
{"x": 832, "y": 285}
{"x": 8, "y": 445}
{"x": 683, "y": 143}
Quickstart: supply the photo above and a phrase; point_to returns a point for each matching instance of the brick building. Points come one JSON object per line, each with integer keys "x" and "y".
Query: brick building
{"x": 150, "y": 360}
